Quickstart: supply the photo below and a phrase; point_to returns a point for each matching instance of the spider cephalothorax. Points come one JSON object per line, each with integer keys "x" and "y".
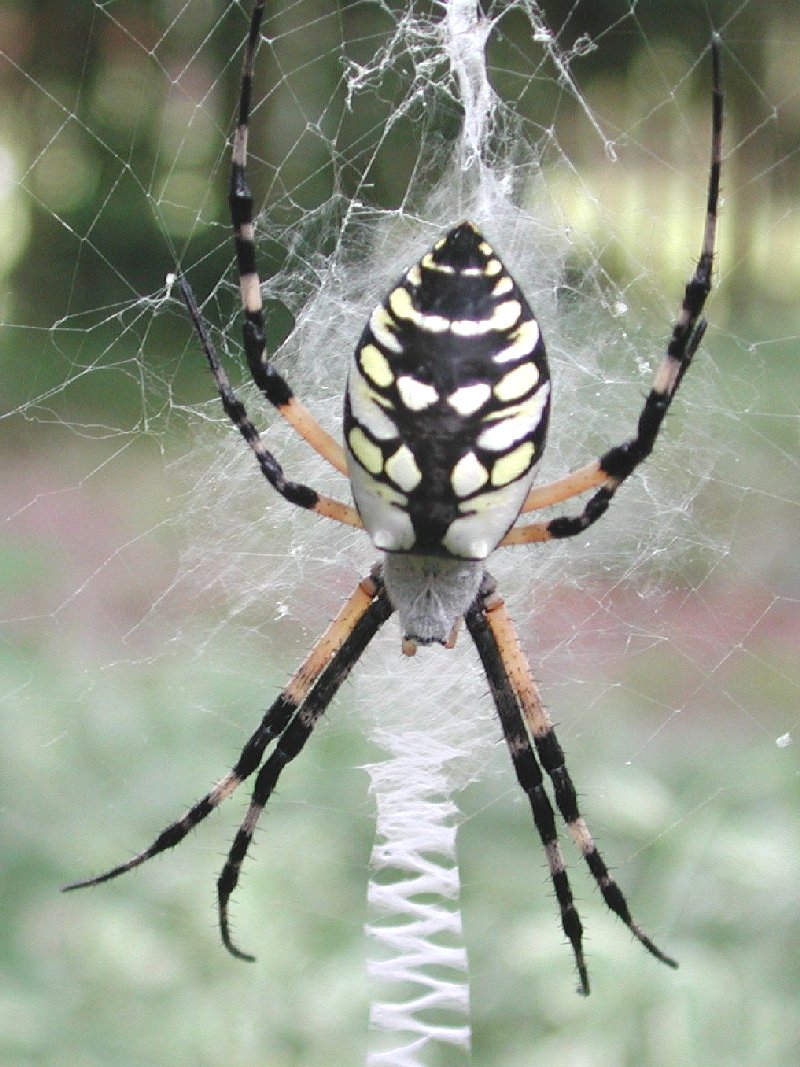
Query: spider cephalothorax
{"x": 445, "y": 418}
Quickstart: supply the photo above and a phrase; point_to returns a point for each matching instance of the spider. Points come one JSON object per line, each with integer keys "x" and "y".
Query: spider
{"x": 445, "y": 417}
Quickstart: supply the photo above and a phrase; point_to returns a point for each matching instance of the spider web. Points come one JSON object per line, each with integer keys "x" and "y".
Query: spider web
{"x": 157, "y": 594}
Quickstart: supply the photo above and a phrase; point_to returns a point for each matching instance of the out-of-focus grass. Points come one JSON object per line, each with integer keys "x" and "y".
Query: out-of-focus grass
{"x": 106, "y": 739}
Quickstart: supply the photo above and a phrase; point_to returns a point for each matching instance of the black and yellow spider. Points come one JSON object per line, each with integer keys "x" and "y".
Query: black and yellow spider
{"x": 445, "y": 417}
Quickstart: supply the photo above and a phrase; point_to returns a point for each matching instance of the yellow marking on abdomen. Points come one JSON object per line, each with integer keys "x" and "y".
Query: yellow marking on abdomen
{"x": 368, "y": 455}
{"x": 509, "y": 467}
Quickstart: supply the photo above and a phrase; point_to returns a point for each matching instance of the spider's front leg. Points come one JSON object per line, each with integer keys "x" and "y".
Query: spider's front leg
{"x": 291, "y": 718}
{"x": 524, "y": 719}
{"x": 619, "y": 462}
{"x": 528, "y": 771}
{"x": 361, "y": 629}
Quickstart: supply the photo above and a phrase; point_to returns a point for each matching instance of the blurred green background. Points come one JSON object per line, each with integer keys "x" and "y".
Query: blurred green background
{"x": 124, "y": 694}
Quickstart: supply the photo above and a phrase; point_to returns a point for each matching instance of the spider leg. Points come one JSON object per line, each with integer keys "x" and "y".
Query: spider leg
{"x": 291, "y": 743}
{"x": 540, "y": 727}
{"x": 295, "y": 492}
{"x": 327, "y": 651}
{"x": 274, "y": 387}
{"x": 619, "y": 462}
{"x": 572, "y": 484}
{"x": 527, "y": 769}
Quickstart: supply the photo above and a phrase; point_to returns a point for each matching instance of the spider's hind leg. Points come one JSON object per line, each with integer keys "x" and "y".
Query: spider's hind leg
{"x": 302, "y": 496}
{"x": 607, "y": 473}
{"x": 272, "y": 384}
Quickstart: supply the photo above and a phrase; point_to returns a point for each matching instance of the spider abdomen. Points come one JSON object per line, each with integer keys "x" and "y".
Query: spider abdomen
{"x": 447, "y": 404}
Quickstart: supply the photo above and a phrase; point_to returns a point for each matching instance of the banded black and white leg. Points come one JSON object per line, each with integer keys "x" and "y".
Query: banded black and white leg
{"x": 524, "y": 718}
{"x": 240, "y": 201}
{"x": 291, "y": 719}
{"x": 607, "y": 473}
{"x": 297, "y": 493}
{"x": 272, "y": 384}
